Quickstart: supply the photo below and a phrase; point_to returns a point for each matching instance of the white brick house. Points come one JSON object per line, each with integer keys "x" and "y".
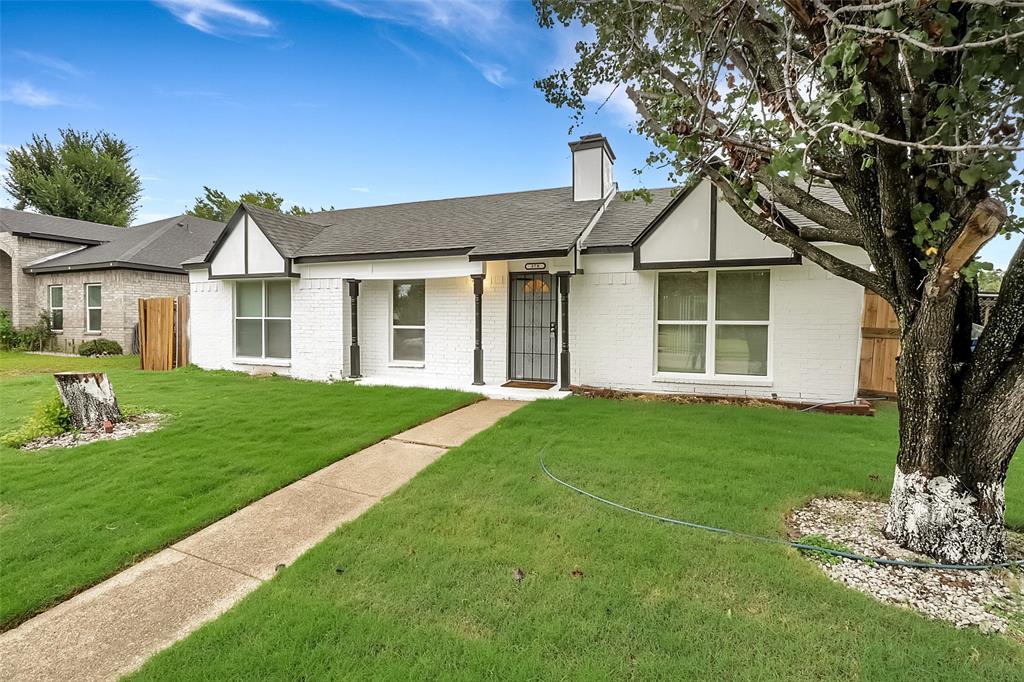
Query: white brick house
{"x": 549, "y": 288}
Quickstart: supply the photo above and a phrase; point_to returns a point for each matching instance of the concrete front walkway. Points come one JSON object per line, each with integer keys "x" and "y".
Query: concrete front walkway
{"x": 114, "y": 627}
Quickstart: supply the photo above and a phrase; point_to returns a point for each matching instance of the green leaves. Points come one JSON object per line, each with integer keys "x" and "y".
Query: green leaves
{"x": 888, "y": 18}
{"x": 972, "y": 271}
{"x": 971, "y": 176}
{"x": 216, "y": 205}
{"x": 849, "y": 85}
{"x": 86, "y": 176}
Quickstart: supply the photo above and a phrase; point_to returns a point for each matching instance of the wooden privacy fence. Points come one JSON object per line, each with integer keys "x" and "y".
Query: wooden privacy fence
{"x": 879, "y": 348}
{"x": 163, "y": 332}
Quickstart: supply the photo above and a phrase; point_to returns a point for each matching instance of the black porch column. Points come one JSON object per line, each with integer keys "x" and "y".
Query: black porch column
{"x": 478, "y": 349}
{"x": 563, "y": 358}
{"x": 353, "y": 349}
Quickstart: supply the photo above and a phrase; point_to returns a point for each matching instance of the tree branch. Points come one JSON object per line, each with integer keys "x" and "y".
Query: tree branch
{"x": 1003, "y": 334}
{"x": 836, "y": 225}
{"x": 983, "y": 224}
{"x": 779, "y": 234}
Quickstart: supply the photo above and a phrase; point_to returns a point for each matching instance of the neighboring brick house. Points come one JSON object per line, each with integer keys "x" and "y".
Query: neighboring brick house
{"x": 88, "y": 277}
{"x": 546, "y": 288}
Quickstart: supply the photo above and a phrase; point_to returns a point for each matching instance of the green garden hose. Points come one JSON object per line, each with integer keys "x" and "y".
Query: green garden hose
{"x": 776, "y": 541}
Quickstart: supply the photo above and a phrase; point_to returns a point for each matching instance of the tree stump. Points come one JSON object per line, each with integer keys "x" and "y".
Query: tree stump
{"x": 89, "y": 398}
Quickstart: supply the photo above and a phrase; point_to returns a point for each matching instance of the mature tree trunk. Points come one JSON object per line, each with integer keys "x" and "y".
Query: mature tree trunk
{"x": 955, "y": 444}
{"x": 947, "y": 494}
{"x": 89, "y": 398}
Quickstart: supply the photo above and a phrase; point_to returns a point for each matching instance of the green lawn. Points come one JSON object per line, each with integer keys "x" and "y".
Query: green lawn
{"x": 422, "y": 587}
{"x": 69, "y": 518}
{"x": 21, "y": 364}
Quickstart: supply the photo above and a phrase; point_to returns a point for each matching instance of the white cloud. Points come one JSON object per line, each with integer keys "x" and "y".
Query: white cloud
{"x": 28, "y": 95}
{"x": 473, "y": 19}
{"x": 219, "y": 17}
{"x": 362, "y": 190}
{"x": 495, "y": 74}
{"x": 604, "y": 96}
{"x": 402, "y": 47}
{"x": 469, "y": 27}
{"x": 49, "y": 62}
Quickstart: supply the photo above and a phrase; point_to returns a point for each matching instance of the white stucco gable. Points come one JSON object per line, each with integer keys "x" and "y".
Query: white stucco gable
{"x": 244, "y": 250}
{"x": 699, "y": 229}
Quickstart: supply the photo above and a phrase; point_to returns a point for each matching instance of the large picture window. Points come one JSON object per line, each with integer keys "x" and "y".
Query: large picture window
{"x": 714, "y": 322}
{"x": 263, "y": 325}
{"x": 408, "y": 320}
{"x": 93, "y": 307}
{"x": 57, "y": 308}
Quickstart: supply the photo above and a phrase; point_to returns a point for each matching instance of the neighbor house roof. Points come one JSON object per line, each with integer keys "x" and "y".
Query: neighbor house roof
{"x": 506, "y": 225}
{"x": 39, "y": 226}
{"x": 159, "y": 246}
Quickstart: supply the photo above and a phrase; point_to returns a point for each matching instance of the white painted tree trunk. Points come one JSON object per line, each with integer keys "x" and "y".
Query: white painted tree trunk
{"x": 939, "y": 517}
{"x": 89, "y": 398}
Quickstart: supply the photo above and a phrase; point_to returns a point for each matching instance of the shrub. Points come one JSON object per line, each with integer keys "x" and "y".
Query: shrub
{"x": 9, "y": 336}
{"x": 50, "y": 418}
{"x": 39, "y": 335}
{"x": 100, "y": 347}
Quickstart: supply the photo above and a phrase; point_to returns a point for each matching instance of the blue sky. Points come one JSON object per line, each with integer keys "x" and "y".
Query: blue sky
{"x": 344, "y": 102}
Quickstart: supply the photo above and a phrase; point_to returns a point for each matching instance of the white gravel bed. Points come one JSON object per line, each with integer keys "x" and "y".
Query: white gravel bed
{"x": 132, "y": 426}
{"x": 992, "y": 600}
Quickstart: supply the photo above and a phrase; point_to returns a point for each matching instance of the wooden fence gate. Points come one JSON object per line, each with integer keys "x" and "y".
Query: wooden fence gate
{"x": 880, "y": 346}
{"x": 163, "y": 332}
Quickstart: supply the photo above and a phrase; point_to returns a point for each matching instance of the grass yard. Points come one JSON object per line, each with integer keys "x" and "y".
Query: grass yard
{"x": 22, "y": 364}
{"x": 69, "y": 518}
{"x": 422, "y": 586}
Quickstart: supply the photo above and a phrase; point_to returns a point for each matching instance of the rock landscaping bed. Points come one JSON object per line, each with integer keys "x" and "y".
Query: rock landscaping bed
{"x": 131, "y": 426}
{"x": 992, "y": 600}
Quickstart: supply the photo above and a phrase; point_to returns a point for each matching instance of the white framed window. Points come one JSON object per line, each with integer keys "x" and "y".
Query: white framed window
{"x": 93, "y": 307}
{"x": 263, "y": 319}
{"x": 408, "y": 320}
{"x": 713, "y": 323}
{"x": 56, "y": 300}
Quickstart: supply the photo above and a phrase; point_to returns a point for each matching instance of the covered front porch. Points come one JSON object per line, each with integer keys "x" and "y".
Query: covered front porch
{"x": 497, "y": 327}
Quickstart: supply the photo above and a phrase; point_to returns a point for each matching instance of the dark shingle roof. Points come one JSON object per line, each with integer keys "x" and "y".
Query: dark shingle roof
{"x": 56, "y": 229}
{"x": 288, "y": 233}
{"x": 536, "y": 221}
{"x": 623, "y": 221}
{"x": 161, "y": 245}
{"x": 494, "y": 225}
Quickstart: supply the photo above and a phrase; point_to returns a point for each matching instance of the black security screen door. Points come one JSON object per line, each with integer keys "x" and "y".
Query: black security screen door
{"x": 532, "y": 329}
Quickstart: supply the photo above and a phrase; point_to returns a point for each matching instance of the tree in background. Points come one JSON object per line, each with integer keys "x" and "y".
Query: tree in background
{"x": 86, "y": 176}
{"x": 989, "y": 281}
{"x": 216, "y": 205}
{"x": 914, "y": 111}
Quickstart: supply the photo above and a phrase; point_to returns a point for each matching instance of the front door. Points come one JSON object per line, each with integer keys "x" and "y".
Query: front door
{"x": 533, "y": 327}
